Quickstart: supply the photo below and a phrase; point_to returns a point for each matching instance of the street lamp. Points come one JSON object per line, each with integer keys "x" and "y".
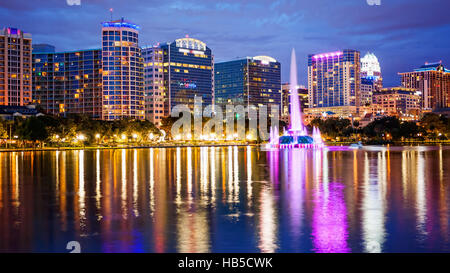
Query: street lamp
{"x": 81, "y": 137}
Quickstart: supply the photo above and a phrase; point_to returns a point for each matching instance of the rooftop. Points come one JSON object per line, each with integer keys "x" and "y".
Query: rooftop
{"x": 121, "y": 23}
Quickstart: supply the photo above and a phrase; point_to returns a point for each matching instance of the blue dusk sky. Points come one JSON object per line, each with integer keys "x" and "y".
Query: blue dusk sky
{"x": 403, "y": 34}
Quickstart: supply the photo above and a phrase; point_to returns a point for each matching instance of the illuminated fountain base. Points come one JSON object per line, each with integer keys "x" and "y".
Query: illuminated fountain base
{"x": 295, "y": 139}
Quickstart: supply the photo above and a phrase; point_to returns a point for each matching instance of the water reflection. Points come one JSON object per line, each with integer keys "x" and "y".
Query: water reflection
{"x": 226, "y": 199}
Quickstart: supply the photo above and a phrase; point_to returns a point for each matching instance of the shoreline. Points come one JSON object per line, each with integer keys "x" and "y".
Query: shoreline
{"x": 49, "y": 149}
{"x": 331, "y": 144}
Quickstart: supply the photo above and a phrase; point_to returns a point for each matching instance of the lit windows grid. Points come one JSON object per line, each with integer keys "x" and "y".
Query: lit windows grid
{"x": 183, "y": 83}
{"x": 248, "y": 81}
{"x": 333, "y": 81}
{"x": 69, "y": 82}
{"x": 15, "y": 67}
{"x": 123, "y": 93}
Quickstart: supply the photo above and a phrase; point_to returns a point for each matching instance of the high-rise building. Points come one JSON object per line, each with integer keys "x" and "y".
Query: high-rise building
{"x": 433, "y": 80}
{"x": 153, "y": 83}
{"x": 188, "y": 71}
{"x": 367, "y": 89}
{"x": 334, "y": 82}
{"x": 175, "y": 74}
{"x": 286, "y": 98}
{"x": 68, "y": 82}
{"x": 371, "y": 70}
{"x": 123, "y": 79}
{"x": 404, "y": 103}
{"x": 15, "y": 67}
{"x": 251, "y": 81}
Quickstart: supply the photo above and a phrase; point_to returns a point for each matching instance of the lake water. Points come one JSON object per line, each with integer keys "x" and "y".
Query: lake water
{"x": 226, "y": 199}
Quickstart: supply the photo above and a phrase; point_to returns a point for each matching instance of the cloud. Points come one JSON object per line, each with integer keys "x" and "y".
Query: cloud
{"x": 402, "y": 33}
{"x": 228, "y": 6}
{"x": 183, "y": 6}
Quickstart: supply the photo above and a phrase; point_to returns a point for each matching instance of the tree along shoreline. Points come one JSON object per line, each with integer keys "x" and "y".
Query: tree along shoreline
{"x": 78, "y": 131}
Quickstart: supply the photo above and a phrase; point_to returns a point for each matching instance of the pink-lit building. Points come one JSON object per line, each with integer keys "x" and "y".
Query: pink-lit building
{"x": 15, "y": 67}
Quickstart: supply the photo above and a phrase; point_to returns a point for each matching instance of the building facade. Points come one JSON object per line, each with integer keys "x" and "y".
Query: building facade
{"x": 153, "y": 83}
{"x": 334, "y": 81}
{"x": 68, "y": 82}
{"x": 401, "y": 102}
{"x": 433, "y": 80}
{"x": 367, "y": 89}
{"x": 123, "y": 78}
{"x": 15, "y": 67}
{"x": 251, "y": 81}
{"x": 188, "y": 72}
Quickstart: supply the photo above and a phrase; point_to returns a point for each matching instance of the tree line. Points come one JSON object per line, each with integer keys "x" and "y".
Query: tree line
{"x": 75, "y": 130}
{"x": 430, "y": 127}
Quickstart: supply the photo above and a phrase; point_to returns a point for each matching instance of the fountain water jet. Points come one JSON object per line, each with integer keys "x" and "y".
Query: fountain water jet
{"x": 296, "y": 136}
{"x": 297, "y": 126}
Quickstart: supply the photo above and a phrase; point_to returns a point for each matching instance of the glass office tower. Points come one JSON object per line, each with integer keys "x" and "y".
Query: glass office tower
{"x": 188, "y": 66}
{"x": 251, "y": 81}
{"x": 123, "y": 93}
{"x": 68, "y": 82}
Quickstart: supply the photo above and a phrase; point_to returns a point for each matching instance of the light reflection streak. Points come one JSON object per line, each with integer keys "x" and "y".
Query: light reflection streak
{"x": 152, "y": 182}
{"x": 63, "y": 192}
{"x": 373, "y": 206}
{"x": 236, "y": 175}
{"x": 189, "y": 174}
{"x": 267, "y": 222}
{"x": 57, "y": 171}
{"x": 213, "y": 176}
{"x": 124, "y": 184}
{"x": 135, "y": 184}
{"x": 98, "y": 193}
{"x": 249, "y": 175}
{"x": 81, "y": 189}
{"x": 421, "y": 195}
{"x": 230, "y": 175}
{"x": 15, "y": 180}
{"x": 204, "y": 173}
{"x": 178, "y": 175}
{"x": 405, "y": 177}
{"x": 296, "y": 191}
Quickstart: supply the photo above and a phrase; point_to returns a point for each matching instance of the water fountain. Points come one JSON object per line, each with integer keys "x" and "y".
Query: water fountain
{"x": 296, "y": 136}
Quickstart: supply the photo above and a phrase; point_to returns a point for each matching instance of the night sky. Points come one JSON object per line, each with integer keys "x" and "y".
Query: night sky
{"x": 403, "y": 34}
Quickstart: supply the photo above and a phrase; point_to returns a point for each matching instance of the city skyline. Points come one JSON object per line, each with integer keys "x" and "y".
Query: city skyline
{"x": 385, "y": 30}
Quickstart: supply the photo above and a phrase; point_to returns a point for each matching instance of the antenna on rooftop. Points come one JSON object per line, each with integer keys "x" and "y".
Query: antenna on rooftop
{"x": 111, "y": 12}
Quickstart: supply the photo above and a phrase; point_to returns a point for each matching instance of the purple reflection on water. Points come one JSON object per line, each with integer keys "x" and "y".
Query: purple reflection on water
{"x": 295, "y": 194}
{"x": 329, "y": 223}
{"x": 274, "y": 158}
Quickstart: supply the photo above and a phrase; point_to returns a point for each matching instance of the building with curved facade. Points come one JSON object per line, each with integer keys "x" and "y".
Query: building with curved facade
{"x": 123, "y": 78}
